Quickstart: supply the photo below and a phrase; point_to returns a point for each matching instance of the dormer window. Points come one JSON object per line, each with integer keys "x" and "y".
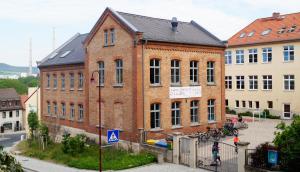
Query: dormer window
{"x": 105, "y": 37}
{"x": 65, "y": 54}
{"x": 281, "y": 30}
{"x": 112, "y": 36}
{"x": 242, "y": 35}
{"x": 266, "y": 32}
{"x": 251, "y": 34}
{"x": 292, "y": 29}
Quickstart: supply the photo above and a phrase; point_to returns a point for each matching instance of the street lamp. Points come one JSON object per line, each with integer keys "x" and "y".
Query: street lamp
{"x": 99, "y": 104}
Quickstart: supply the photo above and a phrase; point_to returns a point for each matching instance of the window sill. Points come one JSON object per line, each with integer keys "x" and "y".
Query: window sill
{"x": 252, "y": 89}
{"x": 252, "y": 63}
{"x": 62, "y": 117}
{"x": 72, "y": 89}
{"x": 156, "y": 129}
{"x": 211, "y": 84}
{"x": 239, "y": 63}
{"x": 266, "y": 62}
{"x": 288, "y": 90}
{"x": 62, "y": 90}
{"x": 176, "y": 127}
{"x": 80, "y": 121}
{"x": 54, "y": 89}
{"x": 194, "y": 84}
{"x": 266, "y": 89}
{"x": 102, "y": 85}
{"x": 240, "y": 89}
{"x": 104, "y": 46}
{"x": 175, "y": 85}
{"x": 155, "y": 85}
{"x": 195, "y": 124}
{"x": 48, "y": 88}
{"x": 120, "y": 129}
{"x": 212, "y": 122}
{"x": 118, "y": 85}
{"x": 80, "y": 89}
{"x": 290, "y": 61}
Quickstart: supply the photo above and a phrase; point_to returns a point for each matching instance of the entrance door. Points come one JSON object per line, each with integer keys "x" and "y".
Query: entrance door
{"x": 286, "y": 111}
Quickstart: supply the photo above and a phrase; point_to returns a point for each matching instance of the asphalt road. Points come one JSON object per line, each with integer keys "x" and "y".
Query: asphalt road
{"x": 8, "y": 139}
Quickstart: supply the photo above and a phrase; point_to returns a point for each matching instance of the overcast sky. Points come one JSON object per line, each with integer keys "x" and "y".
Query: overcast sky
{"x": 24, "y": 19}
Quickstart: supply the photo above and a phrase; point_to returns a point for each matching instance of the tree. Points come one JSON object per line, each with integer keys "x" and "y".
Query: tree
{"x": 33, "y": 122}
{"x": 288, "y": 142}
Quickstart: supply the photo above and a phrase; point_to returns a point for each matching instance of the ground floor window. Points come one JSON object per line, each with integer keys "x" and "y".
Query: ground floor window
{"x": 286, "y": 110}
{"x": 226, "y": 103}
{"x": 257, "y": 104}
{"x": 244, "y": 104}
{"x": 10, "y": 114}
{"x": 270, "y": 105}
{"x": 155, "y": 115}
{"x": 211, "y": 109}
{"x": 250, "y": 104}
{"x": 17, "y": 113}
{"x": 237, "y": 104}
{"x": 175, "y": 113}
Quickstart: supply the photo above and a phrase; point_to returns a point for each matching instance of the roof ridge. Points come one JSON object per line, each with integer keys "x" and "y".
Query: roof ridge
{"x": 279, "y": 15}
{"x": 204, "y": 30}
{"x": 138, "y": 15}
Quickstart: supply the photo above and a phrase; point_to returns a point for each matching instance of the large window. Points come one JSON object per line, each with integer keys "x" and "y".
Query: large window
{"x": 80, "y": 82}
{"x": 101, "y": 72}
{"x": 105, "y": 37}
{"x": 155, "y": 115}
{"x": 55, "y": 108}
{"x": 237, "y": 104}
{"x": 228, "y": 82}
{"x": 112, "y": 36}
{"x": 267, "y": 82}
{"x": 211, "y": 110}
{"x": 240, "y": 82}
{"x": 175, "y": 113}
{"x": 228, "y": 57}
{"x": 270, "y": 104}
{"x": 155, "y": 71}
{"x": 54, "y": 81}
{"x": 175, "y": 72}
{"x": 48, "y": 80}
{"x": 72, "y": 111}
{"x": 250, "y": 104}
{"x": 210, "y": 72}
{"x": 239, "y": 56}
{"x": 63, "y": 83}
{"x": 119, "y": 71}
{"x": 267, "y": 55}
{"x": 194, "y": 73}
{"x": 289, "y": 82}
{"x": 252, "y": 55}
{"x": 194, "y": 111}
{"x": 48, "y": 108}
{"x": 288, "y": 53}
{"x": 72, "y": 81}
{"x": 253, "y": 82}
{"x": 80, "y": 112}
{"x": 257, "y": 104}
{"x": 63, "y": 110}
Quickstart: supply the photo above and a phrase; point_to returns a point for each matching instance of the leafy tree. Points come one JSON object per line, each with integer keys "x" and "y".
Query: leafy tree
{"x": 8, "y": 163}
{"x": 20, "y": 85}
{"x": 33, "y": 122}
{"x": 288, "y": 142}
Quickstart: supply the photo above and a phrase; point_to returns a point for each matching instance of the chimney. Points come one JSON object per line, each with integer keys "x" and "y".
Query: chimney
{"x": 174, "y": 24}
{"x": 275, "y": 15}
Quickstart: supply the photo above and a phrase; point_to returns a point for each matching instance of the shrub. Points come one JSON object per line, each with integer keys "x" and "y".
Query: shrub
{"x": 73, "y": 145}
{"x": 33, "y": 122}
{"x": 260, "y": 156}
{"x": 8, "y": 163}
{"x": 230, "y": 111}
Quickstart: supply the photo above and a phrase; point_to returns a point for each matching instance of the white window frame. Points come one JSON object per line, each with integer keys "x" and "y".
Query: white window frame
{"x": 119, "y": 71}
{"x": 267, "y": 55}
{"x": 155, "y": 71}
{"x": 288, "y": 53}
{"x": 55, "y": 108}
{"x": 175, "y": 72}
{"x": 80, "y": 80}
{"x": 80, "y": 112}
{"x": 101, "y": 67}
{"x": 257, "y": 104}
{"x": 48, "y": 80}
{"x": 240, "y": 58}
{"x": 72, "y": 111}
{"x": 63, "y": 110}
{"x": 253, "y": 82}
{"x": 210, "y": 72}
{"x": 250, "y": 103}
{"x": 253, "y": 56}
{"x": 175, "y": 114}
{"x": 155, "y": 115}
{"x": 72, "y": 81}
{"x": 268, "y": 103}
{"x": 268, "y": 82}
{"x": 194, "y": 78}
{"x": 237, "y": 104}
{"x": 194, "y": 111}
{"x": 228, "y": 57}
{"x": 48, "y": 108}
{"x": 283, "y": 111}
{"x": 211, "y": 109}
{"x": 289, "y": 80}
{"x": 240, "y": 82}
{"x": 228, "y": 82}
{"x": 112, "y": 36}
{"x": 54, "y": 81}
{"x": 63, "y": 81}
{"x": 105, "y": 37}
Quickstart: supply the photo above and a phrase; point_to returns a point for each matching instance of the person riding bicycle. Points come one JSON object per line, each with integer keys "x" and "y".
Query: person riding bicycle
{"x": 240, "y": 118}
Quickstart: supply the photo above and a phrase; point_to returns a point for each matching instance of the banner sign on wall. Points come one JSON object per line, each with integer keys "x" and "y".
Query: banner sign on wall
{"x": 184, "y": 92}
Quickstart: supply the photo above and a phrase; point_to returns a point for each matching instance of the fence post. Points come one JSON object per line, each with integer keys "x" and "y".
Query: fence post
{"x": 193, "y": 149}
{"x": 242, "y": 146}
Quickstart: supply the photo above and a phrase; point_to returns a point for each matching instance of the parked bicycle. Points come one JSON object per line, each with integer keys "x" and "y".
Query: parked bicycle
{"x": 229, "y": 129}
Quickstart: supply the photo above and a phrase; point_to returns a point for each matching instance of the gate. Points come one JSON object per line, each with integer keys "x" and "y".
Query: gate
{"x": 184, "y": 149}
{"x": 227, "y": 153}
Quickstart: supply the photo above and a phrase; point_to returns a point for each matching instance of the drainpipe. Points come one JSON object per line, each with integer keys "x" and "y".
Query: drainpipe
{"x": 143, "y": 85}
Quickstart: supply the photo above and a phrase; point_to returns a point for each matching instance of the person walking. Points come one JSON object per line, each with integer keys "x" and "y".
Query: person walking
{"x": 235, "y": 141}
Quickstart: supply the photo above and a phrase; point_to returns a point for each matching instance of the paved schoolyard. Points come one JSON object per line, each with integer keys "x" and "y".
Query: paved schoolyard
{"x": 258, "y": 132}
{"x": 165, "y": 167}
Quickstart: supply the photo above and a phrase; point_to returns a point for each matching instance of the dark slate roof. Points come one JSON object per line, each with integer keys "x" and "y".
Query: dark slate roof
{"x": 156, "y": 29}
{"x": 8, "y": 94}
{"x": 76, "y": 55}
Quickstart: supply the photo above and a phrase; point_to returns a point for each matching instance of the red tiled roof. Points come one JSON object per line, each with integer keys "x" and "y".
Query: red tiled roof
{"x": 275, "y": 23}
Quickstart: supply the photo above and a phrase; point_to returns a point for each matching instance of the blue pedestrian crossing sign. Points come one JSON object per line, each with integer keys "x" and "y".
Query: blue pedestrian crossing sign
{"x": 112, "y": 136}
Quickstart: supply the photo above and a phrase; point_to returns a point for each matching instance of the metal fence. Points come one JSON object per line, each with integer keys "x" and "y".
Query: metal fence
{"x": 228, "y": 157}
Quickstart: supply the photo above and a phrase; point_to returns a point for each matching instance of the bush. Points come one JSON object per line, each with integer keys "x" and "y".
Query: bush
{"x": 230, "y": 111}
{"x": 33, "y": 122}
{"x": 260, "y": 156}
{"x": 8, "y": 163}
{"x": 73, "y": 145}
{"x": 288, "y": 142}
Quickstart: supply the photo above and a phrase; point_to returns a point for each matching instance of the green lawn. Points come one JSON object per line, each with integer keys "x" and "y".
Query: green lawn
{"x": 112, "y": 159}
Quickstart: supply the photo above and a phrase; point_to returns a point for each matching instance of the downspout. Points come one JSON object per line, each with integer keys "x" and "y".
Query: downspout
{"x": 143, "y": 87}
